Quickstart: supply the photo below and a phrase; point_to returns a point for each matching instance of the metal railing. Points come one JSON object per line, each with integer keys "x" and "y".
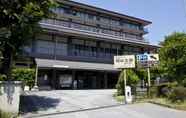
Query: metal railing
{"x": 91, "y": 29}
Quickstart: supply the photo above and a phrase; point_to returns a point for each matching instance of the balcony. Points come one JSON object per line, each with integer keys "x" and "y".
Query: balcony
{"x": 75, "y": 28}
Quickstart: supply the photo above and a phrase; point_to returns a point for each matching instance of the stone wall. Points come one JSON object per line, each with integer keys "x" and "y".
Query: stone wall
{"x": 10, "y": 92}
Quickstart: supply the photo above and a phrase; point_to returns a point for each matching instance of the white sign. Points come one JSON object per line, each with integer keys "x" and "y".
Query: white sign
{"x": 126, "y": 61}
{"x": 128, "y": 94}
{"x": 153, "y": 57}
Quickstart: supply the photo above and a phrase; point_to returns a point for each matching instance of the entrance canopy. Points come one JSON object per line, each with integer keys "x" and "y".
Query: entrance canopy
{"x": 46, "y": 63}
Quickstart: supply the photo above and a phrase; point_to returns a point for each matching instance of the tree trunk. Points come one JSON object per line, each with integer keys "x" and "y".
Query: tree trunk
{"x": 7, "y": 62}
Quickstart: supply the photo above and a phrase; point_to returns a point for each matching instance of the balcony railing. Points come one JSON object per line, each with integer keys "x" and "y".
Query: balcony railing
{"x": 101, "y": 22}
{"x": 91, "y": 30}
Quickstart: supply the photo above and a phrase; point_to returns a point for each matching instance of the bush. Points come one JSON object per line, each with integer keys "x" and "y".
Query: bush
{"x": 132, "y": 80}
{"x": 5, "y": 115}
{"x": 3, "y": 77}
{"x": 165, "y": 89}
{"x": 153, "y": 91}
{"x": 184, "y": 83}
{"x": 24, "y": 74}
{"x": 178, "y": 94}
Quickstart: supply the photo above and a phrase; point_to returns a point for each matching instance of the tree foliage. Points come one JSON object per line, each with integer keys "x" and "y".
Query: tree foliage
{"x": 132, "y": 80}
{"x": 173, "y": 57}
{"x": 18, "y": 23}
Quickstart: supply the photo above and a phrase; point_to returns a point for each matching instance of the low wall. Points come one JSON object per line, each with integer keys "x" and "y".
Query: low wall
{"x": 10, "y": 92}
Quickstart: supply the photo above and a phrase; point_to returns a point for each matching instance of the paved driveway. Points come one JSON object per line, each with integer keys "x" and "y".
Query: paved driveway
{"x": 46, "y": 102}
{"x": 143, "y": 110}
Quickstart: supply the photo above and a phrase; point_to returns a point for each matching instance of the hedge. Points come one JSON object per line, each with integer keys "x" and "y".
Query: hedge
{"x": 26, "y": 75}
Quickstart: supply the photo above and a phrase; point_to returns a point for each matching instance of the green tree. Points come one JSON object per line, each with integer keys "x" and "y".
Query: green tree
{"x": 173, "y": 57}
{"x": 18, "y": 23}
{"x": 132, "y": 80}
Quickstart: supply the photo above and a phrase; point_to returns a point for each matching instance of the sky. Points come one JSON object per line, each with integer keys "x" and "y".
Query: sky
{"x": 167, "y": 16}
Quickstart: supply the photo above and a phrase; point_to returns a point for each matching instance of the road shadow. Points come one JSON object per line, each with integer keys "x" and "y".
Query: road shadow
{"x": 33, "y": 103}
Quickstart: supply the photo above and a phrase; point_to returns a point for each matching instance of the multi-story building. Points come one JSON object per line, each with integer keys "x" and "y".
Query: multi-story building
{"x": 77, "y": 46}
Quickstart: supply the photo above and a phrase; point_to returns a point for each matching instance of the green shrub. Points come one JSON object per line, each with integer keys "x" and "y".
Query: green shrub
{"x": 132, "y": 80}
{"x": 2, "y": 77}
{"x": 184, "y": 83}
{"x": 153, "y": 91}
{"x": 164, "y": 90}
{"x": 26, "y": 75}
{"x": 178, "y": 94}
{"x": 5, "y": 115}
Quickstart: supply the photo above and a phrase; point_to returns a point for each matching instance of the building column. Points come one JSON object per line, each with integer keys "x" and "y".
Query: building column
{"x": 98, "y": 49}
{"x": 55, "y": 46}
{"x": 35, "y": 88}
{"x": 69, "y": 47}
{"x": 54, "y": 83}
{"x": 105, "y": 80}
{"x": 74, "y": 81}
{"x": 94, "y": 82}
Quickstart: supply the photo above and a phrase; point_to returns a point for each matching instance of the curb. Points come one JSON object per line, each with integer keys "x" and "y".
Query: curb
{"x": 168, "y": 106}
{"x": 67, "y": 112}
{"x": 164, "y": 105}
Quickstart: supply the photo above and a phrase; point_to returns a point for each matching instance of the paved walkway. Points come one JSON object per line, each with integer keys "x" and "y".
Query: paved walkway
{"x": 143, "y": 110}
{"x": 47, "y": 102}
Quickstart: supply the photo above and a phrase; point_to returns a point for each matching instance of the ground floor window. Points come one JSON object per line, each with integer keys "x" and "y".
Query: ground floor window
{"x": 76, "y": 79}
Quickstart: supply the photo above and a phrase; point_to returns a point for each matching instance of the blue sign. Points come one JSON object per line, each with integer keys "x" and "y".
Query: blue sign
{"x": 142, "y": 57}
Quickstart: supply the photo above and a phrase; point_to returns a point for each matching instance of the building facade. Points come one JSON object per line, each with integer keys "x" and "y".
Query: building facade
{"x": 77, "y": 46}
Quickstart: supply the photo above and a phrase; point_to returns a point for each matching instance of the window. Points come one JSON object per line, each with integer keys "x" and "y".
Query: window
{"x": 80, "y": 14}
{"x": 114, "y": 22}
{"x": 61, "y": 39}
{"x": 45, "y": 47}
{"x": 44, "y": 36}
{"x": 91, "y": 17}
{"x": 27, "y": 49}
{"x": 78, "y": 41}
{"x": 67, "y": 11}
{"x": 90, "y": 43}
{"x": 58, "y": 10}
{"x": 105, "y": 20}
{"x": 61, "y": 49}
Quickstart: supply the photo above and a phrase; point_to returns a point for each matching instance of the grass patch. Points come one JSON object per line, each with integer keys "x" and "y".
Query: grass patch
{"x": 166, "y": 103}
{"x": 6, "y": 115}
{"x": 119, "y": 98}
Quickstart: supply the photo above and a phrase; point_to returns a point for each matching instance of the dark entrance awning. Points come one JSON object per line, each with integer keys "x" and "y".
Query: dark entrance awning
{"x": 46, "y": 63}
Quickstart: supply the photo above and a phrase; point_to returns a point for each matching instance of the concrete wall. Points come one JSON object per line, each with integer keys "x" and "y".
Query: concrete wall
{"x": 10, "y": 96}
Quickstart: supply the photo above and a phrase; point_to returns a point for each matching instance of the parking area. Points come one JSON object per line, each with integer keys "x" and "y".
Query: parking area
{"x": 46, "y": 102}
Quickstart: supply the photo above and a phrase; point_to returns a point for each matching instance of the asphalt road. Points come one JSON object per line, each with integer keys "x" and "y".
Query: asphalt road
{"x": 47, "y": 102}
{"x": 142, "y": 110}
{"x": 88, "y": 104}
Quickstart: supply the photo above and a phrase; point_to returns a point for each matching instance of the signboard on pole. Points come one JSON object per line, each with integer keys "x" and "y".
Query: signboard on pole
{"x": 147, "y": 60}
{"x": 123, "y": 62}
